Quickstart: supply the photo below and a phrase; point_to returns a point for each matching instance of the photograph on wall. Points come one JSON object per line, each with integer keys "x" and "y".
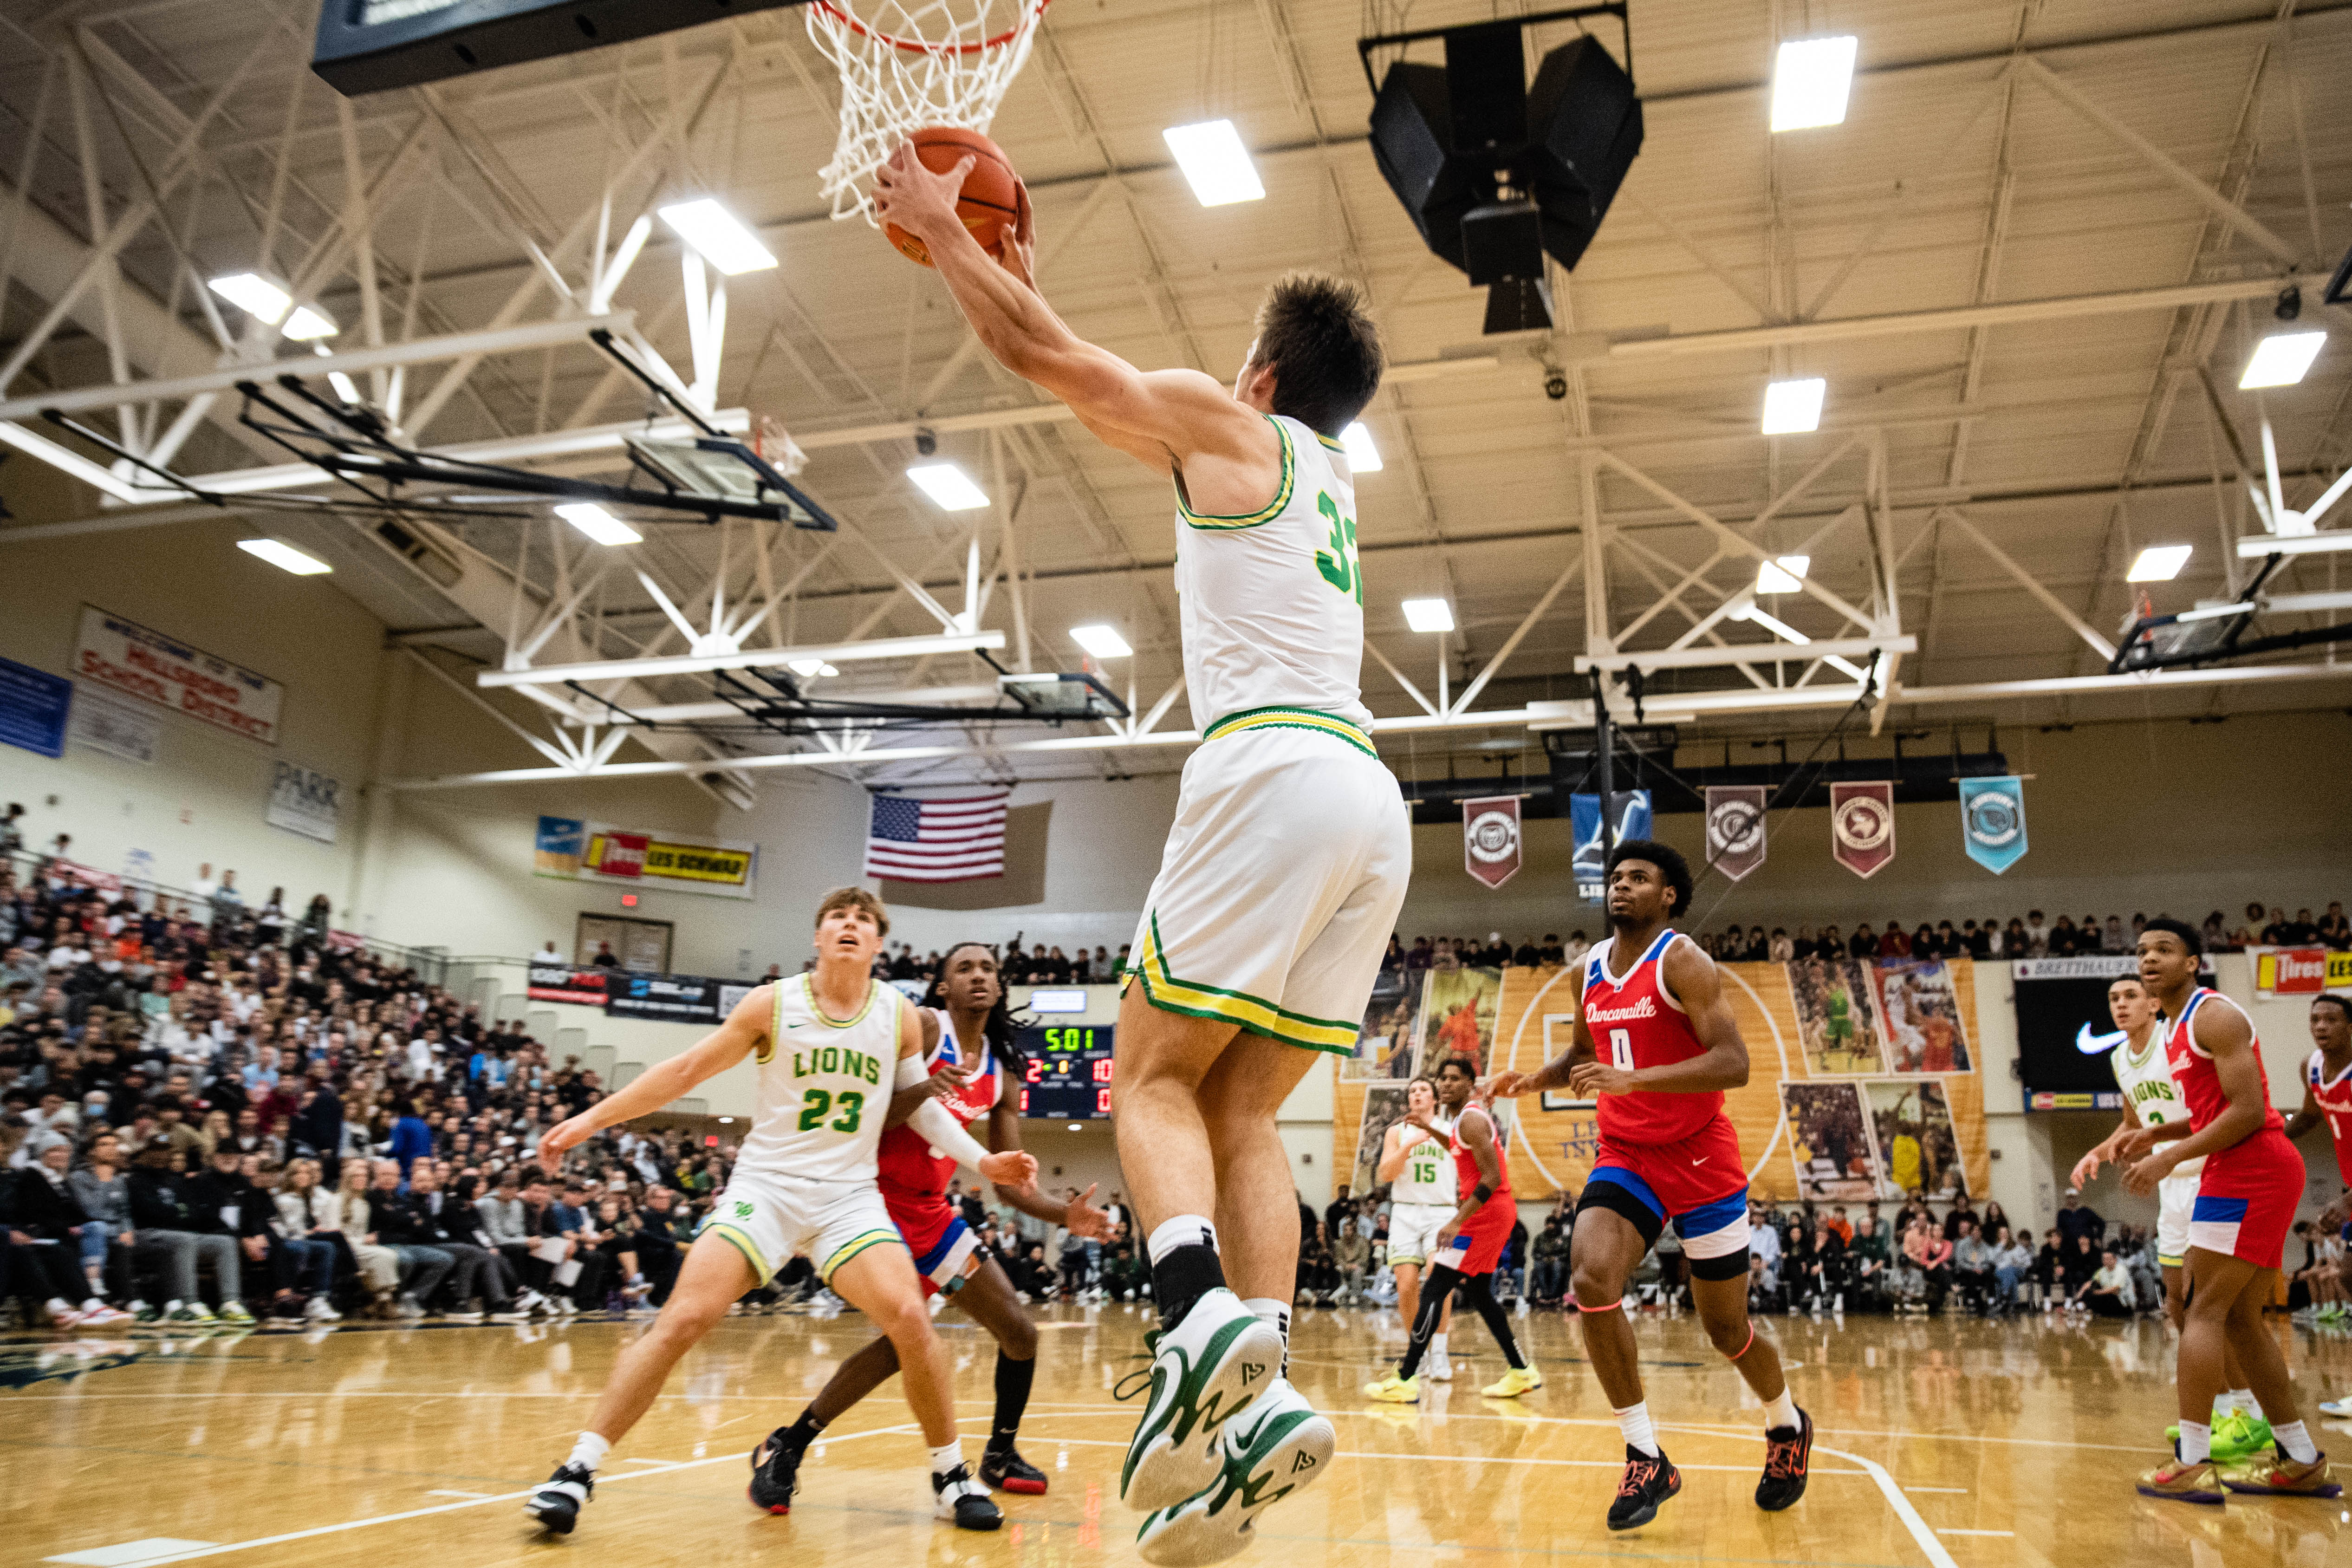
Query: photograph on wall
{"x": 1384, "y": 1107}
{"x": 1829, "y": 1139}
{"x": 1921, "y": 1014}
{"x": 1912, "y": 1124}
{"x": 1837, "y": 1019}
{"x": 1385, "y": 1040}
{"x": 1457, "y": 1015}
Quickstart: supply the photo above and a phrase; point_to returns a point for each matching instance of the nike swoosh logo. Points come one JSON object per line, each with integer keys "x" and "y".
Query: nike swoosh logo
{"x": 1702, "y": 1161}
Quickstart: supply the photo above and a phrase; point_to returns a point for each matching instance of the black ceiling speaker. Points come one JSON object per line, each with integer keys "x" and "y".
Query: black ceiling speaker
{"x": 1412, "y": 142}
{"x": 1584, "y": 126}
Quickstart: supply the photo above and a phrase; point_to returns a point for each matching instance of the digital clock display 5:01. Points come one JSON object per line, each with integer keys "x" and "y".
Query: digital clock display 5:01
{"x": 1068, "y": 1075}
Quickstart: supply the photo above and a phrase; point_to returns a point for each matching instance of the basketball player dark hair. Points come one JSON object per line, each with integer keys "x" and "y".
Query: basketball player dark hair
{"x": 2191, "y": 937}
{"x": 1317, "y": 334}
{"x": 1665, "y": 858}
{"x": 1469, "y": 1068}
{"x": 2337, "y": 1000}
{"x": 997, "y": 1027}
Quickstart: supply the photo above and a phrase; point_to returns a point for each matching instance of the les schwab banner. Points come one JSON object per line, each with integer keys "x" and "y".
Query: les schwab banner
{"x": 600, "y": 852}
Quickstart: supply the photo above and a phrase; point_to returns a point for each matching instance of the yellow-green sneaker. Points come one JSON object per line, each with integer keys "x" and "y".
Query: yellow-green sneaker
{"x": 1395, "y": 1389}
{"x": 2237, "y": 1435}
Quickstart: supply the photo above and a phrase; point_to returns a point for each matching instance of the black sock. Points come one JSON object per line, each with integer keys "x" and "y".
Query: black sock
{"x": 802, "y": 1432}
{"x": 1436, "y": 1286}
{"x": 1479, "y": 1291}
{"x": 1182, "y": 1277}
{"x": 1012, "y": 1380}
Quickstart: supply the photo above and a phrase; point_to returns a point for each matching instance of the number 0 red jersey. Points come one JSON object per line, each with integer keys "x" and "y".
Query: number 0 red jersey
{"x": 1636, "y": 1022}
{"x": 2335, "y": 1097}
{"x": 905, "y": 1169}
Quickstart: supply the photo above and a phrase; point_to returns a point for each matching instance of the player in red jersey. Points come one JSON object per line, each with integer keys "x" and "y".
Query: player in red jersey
{"x": 2245, "y": 1201}
{"x": 2327, "y": 1101}
{"x": 1667, "y": 1152}
{"x": 976, "y": 1071}
{"x": 1468, "y": 1246}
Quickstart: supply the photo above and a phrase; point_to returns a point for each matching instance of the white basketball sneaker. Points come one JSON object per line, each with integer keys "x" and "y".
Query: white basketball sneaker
{"x": 1277, "y": 1447}
{"x": 1207, "y": 1369}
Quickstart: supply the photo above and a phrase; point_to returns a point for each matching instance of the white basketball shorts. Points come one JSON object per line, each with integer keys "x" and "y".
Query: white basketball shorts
{"x": 1413, "y": 1231}
{"x": 1281, "y": 882}
{"x": 2176, "y": 1198}
{"x": 769, "y": 1217}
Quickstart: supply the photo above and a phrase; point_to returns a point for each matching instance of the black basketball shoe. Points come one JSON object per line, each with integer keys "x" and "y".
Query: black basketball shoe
{"x": 776, "y": 1471}
{"x": 1786, "y": 1460}
{"x": 557, "y": 1504}
{"x": 957, "y": 1497}
{"x": 1648, "y": 1483}
{"x": 1007, "y": 1471}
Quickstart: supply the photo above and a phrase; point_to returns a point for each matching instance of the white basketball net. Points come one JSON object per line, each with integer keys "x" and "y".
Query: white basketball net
{"x": 906, "y": 64}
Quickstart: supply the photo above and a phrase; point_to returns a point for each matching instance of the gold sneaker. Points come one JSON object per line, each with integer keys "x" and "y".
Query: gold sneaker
{"x": 2184, "y": 1482}
{"x": 2275, "y": 1474}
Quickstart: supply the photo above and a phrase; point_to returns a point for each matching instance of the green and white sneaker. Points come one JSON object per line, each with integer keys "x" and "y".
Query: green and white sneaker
{"x": 192, "y": 1312}
{"x": 235, "y": 1313}
{"x": 2238, "y": 1435}
{"x": 1277, "y": 1447}
{"x": 1204, "y": 1370}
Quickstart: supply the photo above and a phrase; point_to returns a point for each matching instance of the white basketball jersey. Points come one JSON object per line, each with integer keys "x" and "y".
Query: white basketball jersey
{"x": 2149, "y": 1089}
{"x": 1272, "y": 603}
{"x": 825, "y": 1085}
{"x": 1428, "y": 1173}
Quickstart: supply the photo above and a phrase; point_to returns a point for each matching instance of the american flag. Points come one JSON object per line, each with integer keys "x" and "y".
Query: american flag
{"x": 955, "y": 840}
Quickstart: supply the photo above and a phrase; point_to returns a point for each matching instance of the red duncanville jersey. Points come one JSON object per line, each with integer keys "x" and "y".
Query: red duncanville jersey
{"x": 1636, "y": 1022}
{"x": 2200, "y": 1085}
{"x": 905, "y": 1169}
{"x": 2335, "y": 1097}
{"x": 1467, "y": 1175}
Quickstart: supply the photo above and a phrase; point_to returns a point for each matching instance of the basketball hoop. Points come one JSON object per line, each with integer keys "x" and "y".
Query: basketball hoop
{"x": 912, "y": 63}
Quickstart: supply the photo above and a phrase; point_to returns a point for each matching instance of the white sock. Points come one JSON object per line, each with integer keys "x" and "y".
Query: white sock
{"x": 2296, "y": 1442}
{"x": 2243, "y": 1399}
{"x": 1634, "y": 1421}
{"x": 1437, "y": 1346}
{"x": 1183, "y": 1230}
{"x": 589, "y": 1452}
{"x": 1781, "y": 1412}
{"x": 946, "y": 1455}
{"x": 2196, "y": 1442}
{"x": 1276, "y": 1313}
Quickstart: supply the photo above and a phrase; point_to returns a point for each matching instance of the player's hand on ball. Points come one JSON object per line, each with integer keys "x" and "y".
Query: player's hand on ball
{"x": 909, "y": 194}
{"x": 1011, "y": 1169}
{"x": 1085, "y": 1219}
{"x": 568, "y": 1133}
{"x": 1590, "y": 1080}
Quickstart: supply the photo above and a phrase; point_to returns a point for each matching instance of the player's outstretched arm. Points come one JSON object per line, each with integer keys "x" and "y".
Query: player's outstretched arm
{"x": 656, "y": 1087}
{"x": 1556, "y": 1073}
{"x": 1158, "y": 416}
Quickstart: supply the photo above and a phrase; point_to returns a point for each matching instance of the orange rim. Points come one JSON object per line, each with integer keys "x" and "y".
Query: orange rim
{"x": 917, "y": 46}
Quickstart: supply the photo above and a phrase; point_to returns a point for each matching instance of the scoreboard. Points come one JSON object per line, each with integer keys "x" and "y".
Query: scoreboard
{"x": 1068, "y": 1075}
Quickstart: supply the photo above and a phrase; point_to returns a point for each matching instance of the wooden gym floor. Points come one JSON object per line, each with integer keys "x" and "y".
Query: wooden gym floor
{"x": 1947, "y": 1444}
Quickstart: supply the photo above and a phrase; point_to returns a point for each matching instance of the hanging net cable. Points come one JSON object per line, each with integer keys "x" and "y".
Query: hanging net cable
{"x": 906, "y": 64}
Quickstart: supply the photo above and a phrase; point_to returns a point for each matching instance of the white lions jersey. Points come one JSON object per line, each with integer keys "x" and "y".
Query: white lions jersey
{"x": 1428, "y": 1173}
{"x": 825, "y": 1085}
{"x": 1273, "y": 602}
{"x": 2149, "y": 1089}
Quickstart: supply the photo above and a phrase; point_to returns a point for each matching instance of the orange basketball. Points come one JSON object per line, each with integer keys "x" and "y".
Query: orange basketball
{"x": 987, "y": 204}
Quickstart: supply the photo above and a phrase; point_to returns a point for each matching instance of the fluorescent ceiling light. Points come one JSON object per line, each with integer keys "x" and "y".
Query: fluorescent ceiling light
{"x": 255, "y": 295}
{"x": 1428, "y": 615}
{"x": 811, "y": 668}
{"x": 1792, "y": 407}
{"x": 2254, "y": 546}
{"x": 1781, "y": 574}
{"x": 1811, "y": 77}
{"x": 1103, "y": 642}
{"x": 2159, "y": 563}
{"x": 719, "y": 236}
{"x": 2281, "y": 359}
{"x": 1214, "y": 162}
{"x": 306, "y": 323}
{"x": 1363, "y": 456}
{"x": 283, "y": 556}
{"x": 345, "y": 388}
{"x": 597, "y": 523}
{"x": 948, "y": 486}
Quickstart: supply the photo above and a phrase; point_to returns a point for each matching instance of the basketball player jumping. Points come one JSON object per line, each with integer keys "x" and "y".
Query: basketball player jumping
{"x": 1468, "y": 1246}
{"x": 828, "y": 1045}
{"x": 2151, "y": 1098}
{"x": 974, "y": 1065}
{"x": 2327, "y": 1101}
{"x": 1283, "y": 873}
{"x": 2246, "y": 1199}
{"x": 1419, "y": 1169}
{"x": 1667, "y": 1152}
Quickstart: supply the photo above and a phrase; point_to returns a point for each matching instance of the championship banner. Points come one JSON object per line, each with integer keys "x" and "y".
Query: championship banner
{"x": 600, "y": 852}
{"x": 566, "y": 983}
{"x": 138, "y": 661}
{"x": 1629, "y": 809}
{"x": 1735, "y": 828}
{"x": 1992, "y": 821}
{"x": 1490, "y": 839}
{"x": 1862, "y": 826}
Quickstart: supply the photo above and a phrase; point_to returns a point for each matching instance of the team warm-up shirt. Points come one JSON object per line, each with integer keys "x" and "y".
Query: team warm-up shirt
{"x": 823, "y": 1086}
{"x": 910, "y": 1172}
{"x": 1636, "y": 1022}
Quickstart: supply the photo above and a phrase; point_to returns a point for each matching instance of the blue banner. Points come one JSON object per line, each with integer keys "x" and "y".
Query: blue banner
{"x": 1630, "y": 810}
{"x": 1992, "y": 821}
{"x": 33, "y": 707}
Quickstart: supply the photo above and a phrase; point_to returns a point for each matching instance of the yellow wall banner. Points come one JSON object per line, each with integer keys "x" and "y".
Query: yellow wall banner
{"x": 600, "y": 852}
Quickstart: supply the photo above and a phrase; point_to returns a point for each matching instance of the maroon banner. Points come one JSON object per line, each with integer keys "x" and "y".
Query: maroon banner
{"x": 1862, "y": 826}
{"x": 1735, "y": 828}
{"x": 1490, "y": 839}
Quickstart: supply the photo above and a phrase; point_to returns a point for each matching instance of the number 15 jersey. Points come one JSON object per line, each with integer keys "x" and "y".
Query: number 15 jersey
{"x": 825, "y": 1085}
{"x": 1636, "y": 1022}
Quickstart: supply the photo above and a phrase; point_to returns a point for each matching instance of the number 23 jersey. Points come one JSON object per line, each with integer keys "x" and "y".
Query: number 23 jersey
{"x": 825, "y": 1085}
{"x": 1636, "y": 1022}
